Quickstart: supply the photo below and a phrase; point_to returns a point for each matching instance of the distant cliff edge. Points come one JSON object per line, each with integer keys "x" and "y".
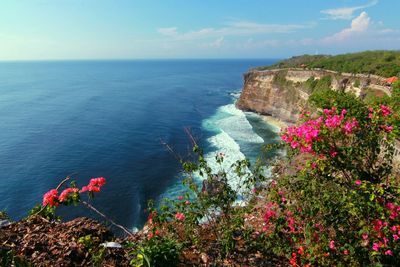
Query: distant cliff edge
{"x": 282, "y": 93}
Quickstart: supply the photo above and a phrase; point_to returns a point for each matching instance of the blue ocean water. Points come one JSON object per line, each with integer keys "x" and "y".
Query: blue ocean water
{"x": 109, "y": 118}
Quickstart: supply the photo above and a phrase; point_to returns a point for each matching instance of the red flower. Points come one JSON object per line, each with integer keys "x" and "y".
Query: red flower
{"x": 64, "y": 194}
{"x": 180, "y": 216}
{"x": 50, "y": 198}
{"x": 332, "y": 244}
{"x": 300, "y": 250}
{"x": 94, "y": 185}
{"x": 385, "y": 110}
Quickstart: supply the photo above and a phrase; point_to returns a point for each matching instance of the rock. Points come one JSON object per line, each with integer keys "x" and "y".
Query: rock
{"x": 260, "y": 94}
{"x": 281, "y": 93}
{"x": 4, "y": 223}
{"x": 111, "y": 245}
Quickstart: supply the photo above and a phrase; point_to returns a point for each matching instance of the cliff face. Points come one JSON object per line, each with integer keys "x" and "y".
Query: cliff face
{"x": 283, "y": 93}
{"x": 263, "y": 95}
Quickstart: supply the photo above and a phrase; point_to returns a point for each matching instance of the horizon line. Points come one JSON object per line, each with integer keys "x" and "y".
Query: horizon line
{"x": 138, "y": 59}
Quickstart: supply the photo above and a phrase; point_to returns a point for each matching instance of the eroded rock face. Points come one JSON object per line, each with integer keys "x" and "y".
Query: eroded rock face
{"x": 281, "y": 92}
{"x": 262, "y": 95}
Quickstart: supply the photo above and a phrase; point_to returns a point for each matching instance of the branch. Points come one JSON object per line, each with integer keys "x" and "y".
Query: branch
{"x": 105, "y": 217}
{"x": 57, "y": 188}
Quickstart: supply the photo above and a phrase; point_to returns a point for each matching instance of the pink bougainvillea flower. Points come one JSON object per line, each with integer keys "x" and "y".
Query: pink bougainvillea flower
{"x": 180, "y": 216}
{"x": 375, "y": 247}
{"x": 370, "y": 112}
{"x": 50, "y": 198}
{"x": 64, "y": 194}
{"x": 187, "y": 202}
{"x": 180, "y": 198}
{"x": 386, "y": 128}
{"x": 332, "y": 244}
{"x": 358, "y": 182}
{"x": 314, "y": 165}
{"x": 395, "y": 237}
{"x": 350, "y": 125}
{"x": 388, "y": 252}
{"x": 94, "y": 185}
{"x": 270, "y": 211}
{"x": 385, "y": 110}
{"x": 346, "y": 252}
{"x": 333, "y": 153}
{"x": 365, "y": 236}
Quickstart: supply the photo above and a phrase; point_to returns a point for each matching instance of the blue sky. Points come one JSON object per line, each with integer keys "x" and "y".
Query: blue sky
{"x": 136, "y": 29}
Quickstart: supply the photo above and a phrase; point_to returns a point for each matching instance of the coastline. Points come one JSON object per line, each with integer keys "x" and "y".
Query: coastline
{"x": 275, "y": 122}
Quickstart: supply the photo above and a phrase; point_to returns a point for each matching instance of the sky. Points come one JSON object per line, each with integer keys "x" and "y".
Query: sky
{"x": 180, "y": 29}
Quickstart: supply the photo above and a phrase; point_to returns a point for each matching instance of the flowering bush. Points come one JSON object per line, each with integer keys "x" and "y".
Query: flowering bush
{"x": 337, "y": 202}
{"x": 71, "y": 195}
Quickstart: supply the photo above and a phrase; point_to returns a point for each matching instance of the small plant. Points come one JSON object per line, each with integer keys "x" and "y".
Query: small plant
{"x": 157, "y": 251}
{"x": 91, "y": 244}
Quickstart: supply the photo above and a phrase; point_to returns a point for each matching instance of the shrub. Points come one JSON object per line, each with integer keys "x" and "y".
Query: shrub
{"x": 157, "y": 251}
{"x": 337, "y": 202}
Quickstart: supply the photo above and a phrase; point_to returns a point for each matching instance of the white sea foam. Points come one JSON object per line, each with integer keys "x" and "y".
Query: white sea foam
{"x": 231, "y": 127}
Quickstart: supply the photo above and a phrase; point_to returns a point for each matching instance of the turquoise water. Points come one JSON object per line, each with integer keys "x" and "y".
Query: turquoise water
{"x": 109, "y": 118}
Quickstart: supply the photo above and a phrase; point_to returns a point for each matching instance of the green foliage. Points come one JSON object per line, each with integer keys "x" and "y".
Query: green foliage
{"x": 157, "y": 251}
{"x": 356, "y": 83}
{"x": 383, "y": 63}
{"x": 289, "y": 91}
{"x": 92, "y": 245}
{"x": 8, "y": 258}
{"x": 46, "y": 212}
{"x": 210, "y": 202}
{"x": 331, "y": 98}
{"x": 295, "y": 62}
{"x": 4, "y": 215}
{"x": 318, "y": 85}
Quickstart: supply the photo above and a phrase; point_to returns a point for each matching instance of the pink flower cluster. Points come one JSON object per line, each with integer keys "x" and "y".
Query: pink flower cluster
{"x": 270, "y": 211}
{"x": 349, "y": 126}
{"x": 335, "y": 120}
{"x": 94, "y": 185}
{"x": 385, "y": 110}
{"x": 180, "y": 216}
{"x": 302, "y": 137}
{"x": 386, "y": 128}
{"x": 381, "y": 228}
{"x": 290, "y": 221}
{"x": 51, "y": 198}
{"x": 64, "y": 194}
{"x": 394, "y": 210}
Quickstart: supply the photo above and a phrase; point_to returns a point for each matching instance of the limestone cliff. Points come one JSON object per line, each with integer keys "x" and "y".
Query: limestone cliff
{"x": 282, "y": 93}
{"x": 262, "y": 93}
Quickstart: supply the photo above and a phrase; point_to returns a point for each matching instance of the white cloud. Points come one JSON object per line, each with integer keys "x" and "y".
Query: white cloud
{"x": 358, "y": 25}
{"x": 238, "y": 28}
{"x": 345, "y": 12}
{"x": 217, "y": 43}
{"x": 172, "y": 31}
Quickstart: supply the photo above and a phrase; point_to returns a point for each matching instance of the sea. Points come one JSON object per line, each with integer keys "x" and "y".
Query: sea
{"x": 113, "y": 119}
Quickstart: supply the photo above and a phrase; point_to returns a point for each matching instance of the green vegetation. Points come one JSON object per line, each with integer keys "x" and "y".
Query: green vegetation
{"x": 317, "y": 85}
{"x": 291, "y": 93}
{"x": 382, "y": 63}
